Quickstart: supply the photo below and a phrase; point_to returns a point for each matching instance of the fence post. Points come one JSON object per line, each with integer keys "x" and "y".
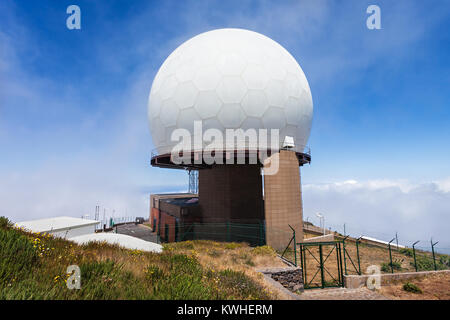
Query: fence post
{"x": 337, "y": 247}
{"x": 345, "y": 260}
{"x": 414, "y": 254}
{"x": 321, "y": 266}
{"x": 357, "y": 254}
{"x": 432, "y": 250}
{"x": 340, "y": 258}
{"x": 295, "y": 250}
{"x": 305, "y": 281}
{"x": 301, "y": 257}
{"x": 295, "y": 245}
{"x": 390, "y": 256}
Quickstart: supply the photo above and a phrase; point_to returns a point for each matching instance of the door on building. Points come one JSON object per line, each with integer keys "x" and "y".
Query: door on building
{"x": 166, "y": 232}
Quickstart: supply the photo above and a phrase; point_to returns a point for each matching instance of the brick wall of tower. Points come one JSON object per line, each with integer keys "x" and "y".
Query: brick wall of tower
{"x": 231, "y": 193}
{"x": 283, "y": 201}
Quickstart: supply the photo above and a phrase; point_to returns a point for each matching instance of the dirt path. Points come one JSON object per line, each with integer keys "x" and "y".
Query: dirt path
{"x": 341, "y": 294}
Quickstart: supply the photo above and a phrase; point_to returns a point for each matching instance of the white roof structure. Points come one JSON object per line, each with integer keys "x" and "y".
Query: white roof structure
{"x": 230, "y": 79}
{"x": 55, "y": 224}
{"x": 122, "y": 240}
{"x": 381, "y": 241}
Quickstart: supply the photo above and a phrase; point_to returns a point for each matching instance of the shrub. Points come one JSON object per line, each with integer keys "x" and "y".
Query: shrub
{"x": 233, "y": 245}
{"x": 154, "y": 273}
{"x": 183, "y": 281}
{"x": 99, "y": 280}
{"x": 444, "y": 261}
{"x": 5, "y": 223}
{"x": 426, "y": 263}
{"x": 214, "y": 253}
{"x": 237, "y": 283}
{"x": 17, "y": 255}
{"x": 386, "y": 266}
{"x": 264, "y": 250}
{"x": 411, "y": 287}
{"x": 179, "y": 245}
{"x": 406, "y": 251}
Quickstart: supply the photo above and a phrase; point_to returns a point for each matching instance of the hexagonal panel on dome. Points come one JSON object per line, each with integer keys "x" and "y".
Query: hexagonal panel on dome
{"x": 168, "y": 87}
{"x": 255, "y": 103}
{"x": 207, "y": 78}
{"x": 275, "y": 93}
{"x": 231, "y": 89}
{"x": 207, "y": 104}
{"x": 275, "y": 70}
{"x": 154, "y": 104}
{"x": 186, "y": 71}
{"x": 168, "y": 135}
{"x": 230, "y": 64}
{"x": 169, "y": 112}
{"x": 292, "y": 110}
{"x": 252, "y": 123}
{"x": 292, "y": 86}
{"x": 186, "y": 119}
{"x": 212, "y": 123}
{"x": 185, "y": 94}
{"x": 171, "y": 65}
{"x": 231, "y": 115}
{"x": 255, "y": 77}
{"x": 289, "y": 130}
{"x": 253, "y": 54}
{"x": 274, "y": 118}
{"x": 207, "y": 54}
{"x": 306, "y": 102}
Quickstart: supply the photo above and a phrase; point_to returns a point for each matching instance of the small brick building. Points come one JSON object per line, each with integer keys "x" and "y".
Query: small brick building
{"x": 170, "y": 212}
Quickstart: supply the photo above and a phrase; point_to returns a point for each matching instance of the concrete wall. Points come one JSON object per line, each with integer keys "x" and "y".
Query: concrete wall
{"x": 325, "y": 238}
{"x": 353, "y": 281}
{"x": 283, "y": 201}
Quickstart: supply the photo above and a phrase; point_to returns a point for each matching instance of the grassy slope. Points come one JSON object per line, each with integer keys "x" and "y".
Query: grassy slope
{"x": 433, "y": 287}
{"x": 33, "y": 266}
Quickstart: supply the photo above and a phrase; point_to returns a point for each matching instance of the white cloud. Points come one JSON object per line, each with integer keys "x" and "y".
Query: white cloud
{"x": 380, "y": 208}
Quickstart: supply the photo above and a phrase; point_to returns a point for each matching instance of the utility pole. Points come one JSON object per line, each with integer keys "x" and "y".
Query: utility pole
{"x": 396, "y": 239}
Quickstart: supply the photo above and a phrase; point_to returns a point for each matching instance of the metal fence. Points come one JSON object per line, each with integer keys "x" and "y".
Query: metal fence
{"x": 251, "y": 233}
{"x": 354, "y": 256}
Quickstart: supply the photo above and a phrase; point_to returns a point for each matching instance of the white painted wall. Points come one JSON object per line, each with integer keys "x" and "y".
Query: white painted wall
{"x": 74, "y": 232}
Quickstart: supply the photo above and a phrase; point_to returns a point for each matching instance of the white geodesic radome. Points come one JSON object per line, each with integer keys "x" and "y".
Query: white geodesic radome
{"x": 230, "y": 78}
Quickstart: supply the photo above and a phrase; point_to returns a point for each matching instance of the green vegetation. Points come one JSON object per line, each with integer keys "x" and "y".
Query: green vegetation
{"x": 406, "y": 251}
{"x": 33, "y": 266}
{"x": 396, "y": 265}
{"x": 425, "y": 262}
{"x": 233, "y": 245}
{"x": 411, "y": 287}
{"x": 264, "y": 250}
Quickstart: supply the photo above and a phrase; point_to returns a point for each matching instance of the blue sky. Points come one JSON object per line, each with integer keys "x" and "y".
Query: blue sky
{"x": 73, "y": 126}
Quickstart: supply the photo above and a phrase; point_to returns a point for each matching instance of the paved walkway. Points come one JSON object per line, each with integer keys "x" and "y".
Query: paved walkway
{"x": 139, "y": 231}
{"x": 341, "y": 294}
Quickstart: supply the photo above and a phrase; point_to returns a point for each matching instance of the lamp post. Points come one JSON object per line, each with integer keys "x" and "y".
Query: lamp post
{"x": 322, "y": 221}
